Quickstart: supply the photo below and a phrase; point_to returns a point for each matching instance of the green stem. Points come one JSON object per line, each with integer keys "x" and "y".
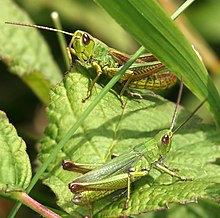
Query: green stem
{"x": 61, "y": 38}
{"x": 182, "y": 8}
{"x": 34, "y": 205}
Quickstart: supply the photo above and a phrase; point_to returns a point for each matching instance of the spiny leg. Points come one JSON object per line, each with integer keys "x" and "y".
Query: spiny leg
{"x": 125, "y": 86}
{"x": 169, "y": 168}
{"x": 114, "y": 198}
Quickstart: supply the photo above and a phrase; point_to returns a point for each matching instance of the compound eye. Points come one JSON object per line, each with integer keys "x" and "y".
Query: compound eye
{"x": 165, "y": 139}
{"x": 85, "y": 39}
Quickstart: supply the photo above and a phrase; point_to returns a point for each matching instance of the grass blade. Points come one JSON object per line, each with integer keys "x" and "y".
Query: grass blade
{"x": 151, "y": 27}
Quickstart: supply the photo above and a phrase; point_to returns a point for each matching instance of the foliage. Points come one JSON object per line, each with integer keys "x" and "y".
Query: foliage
{"x": 109, "y": 128}
{"x": 115, "y": 130}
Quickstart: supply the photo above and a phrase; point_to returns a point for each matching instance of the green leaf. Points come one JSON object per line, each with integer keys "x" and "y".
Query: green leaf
{"x": 158, "y": 191}
{"x": 15, "y": 168}
{"x": 202, "y": 209}
{"x": 150, "y": 26}
{"x": 110, "y": 129}
{"x": 26, "y": 53}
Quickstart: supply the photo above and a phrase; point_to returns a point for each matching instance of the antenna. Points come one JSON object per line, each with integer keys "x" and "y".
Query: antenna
{"x": 176, "y": 110}
{"x": 177, "y": 104}
{"x": 40, "y": 27}
{"x": 189, "y": 117}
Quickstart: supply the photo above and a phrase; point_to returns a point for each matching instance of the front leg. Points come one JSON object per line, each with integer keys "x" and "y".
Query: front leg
{"x": 70, "y": 51}
{"x": 163, "y": 167}
{"x": 99, "y": 72}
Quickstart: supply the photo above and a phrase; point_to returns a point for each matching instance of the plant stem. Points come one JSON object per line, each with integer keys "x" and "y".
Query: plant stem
{"x": 182, "y": 8}
{"x": 61, "y": 38}
{"x": 34, "y": 205}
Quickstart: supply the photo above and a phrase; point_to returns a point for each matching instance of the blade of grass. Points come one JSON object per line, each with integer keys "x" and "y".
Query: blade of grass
{"x": 61, "y": 38}
{"x": 152, "y": 28}
{"x": 183, "y": 7}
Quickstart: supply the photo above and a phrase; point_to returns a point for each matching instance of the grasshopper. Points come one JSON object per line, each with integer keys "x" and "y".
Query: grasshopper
{"x": 98, "y": 181}
{"x": 146, "y": 73}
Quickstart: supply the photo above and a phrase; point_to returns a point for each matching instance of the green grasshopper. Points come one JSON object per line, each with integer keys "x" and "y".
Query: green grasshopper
{"x": 98, "y": 181}
{"x": 146, "y": 73}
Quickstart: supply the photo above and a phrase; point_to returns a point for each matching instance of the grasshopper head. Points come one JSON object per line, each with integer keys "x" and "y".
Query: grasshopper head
{"x": 164, "y": 142}
{"x": 82, "y": 45}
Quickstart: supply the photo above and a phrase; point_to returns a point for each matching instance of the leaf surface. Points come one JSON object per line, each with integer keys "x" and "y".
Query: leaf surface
{"x": 15, "y": 168}
{"x": 110, "y": 129}
{"x": 148, "y": 23}
{"x": 25, "y": 52}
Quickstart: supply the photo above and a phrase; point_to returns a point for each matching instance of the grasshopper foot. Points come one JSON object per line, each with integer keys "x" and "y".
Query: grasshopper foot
{"x": 122, "y": 101}
{"x": 126, "y": 204}
{"x": 185, "y": 179}
{"x": 174, "y": 169}
{"x": 114, "y": 155}
{"x": 182, "y": 178}
{"x": 123, "y": 105}
{"x": 135, "y": 94}
{"x": 87, "y": 97}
